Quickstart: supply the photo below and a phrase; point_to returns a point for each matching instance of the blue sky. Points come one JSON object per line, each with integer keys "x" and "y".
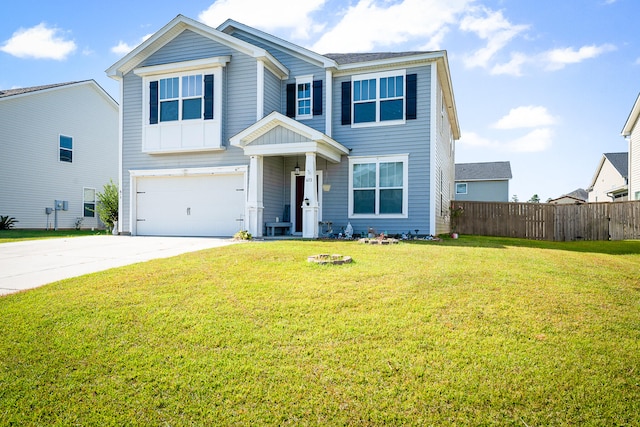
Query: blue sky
{"x": 546, "y": 85}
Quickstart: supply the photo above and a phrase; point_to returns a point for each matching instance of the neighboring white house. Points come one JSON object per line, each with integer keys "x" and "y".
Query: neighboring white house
{"x": 631, "y": 131}
{"x": 59, "y": 143}
{"x": 609, "y": 183}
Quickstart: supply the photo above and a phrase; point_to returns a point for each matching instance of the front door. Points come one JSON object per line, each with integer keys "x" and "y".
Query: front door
{"x": 298, "y": 203}
{"x": 297, "y": 198}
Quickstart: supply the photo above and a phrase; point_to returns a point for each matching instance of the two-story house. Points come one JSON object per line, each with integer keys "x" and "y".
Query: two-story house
{"x": 610, "y": 180}
{"x": 232, "y": 128}
{"x": 59, "y": 148}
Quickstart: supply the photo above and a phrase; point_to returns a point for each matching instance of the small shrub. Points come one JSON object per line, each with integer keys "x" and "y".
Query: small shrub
{"x": 7, "y": 222}
{"x": 242, "y": 235}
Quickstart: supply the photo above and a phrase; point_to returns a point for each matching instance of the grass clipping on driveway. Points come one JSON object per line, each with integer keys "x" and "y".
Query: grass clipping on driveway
{"x": 474, "y": 331}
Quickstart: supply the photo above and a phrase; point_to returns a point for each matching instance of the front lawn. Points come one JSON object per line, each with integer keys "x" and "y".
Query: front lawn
{"x": 16, "y": 234}
{"x": 476, "y": 331}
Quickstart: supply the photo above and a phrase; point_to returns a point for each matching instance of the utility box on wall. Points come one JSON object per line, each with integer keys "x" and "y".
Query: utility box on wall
{"x": 62, "y": 205}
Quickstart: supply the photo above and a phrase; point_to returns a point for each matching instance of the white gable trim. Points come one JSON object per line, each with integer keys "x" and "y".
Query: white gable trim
{"x": 317, "y": 142}
{"x": 632, "y": 119}
{"x": 175, "y": 28}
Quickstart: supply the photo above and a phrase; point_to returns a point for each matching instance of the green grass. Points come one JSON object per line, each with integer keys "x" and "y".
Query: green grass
{"x": 16, "y": 234}
{"x": 476, "y": 331}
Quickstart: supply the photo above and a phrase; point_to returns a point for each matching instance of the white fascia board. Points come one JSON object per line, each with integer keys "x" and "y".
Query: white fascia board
{"x": 175, "y": 67}
{"x": 598, "y": 170}
{"x": 295, "y": 148}
{"x": 91, "y": 83}
{"x": 632, "y": 119}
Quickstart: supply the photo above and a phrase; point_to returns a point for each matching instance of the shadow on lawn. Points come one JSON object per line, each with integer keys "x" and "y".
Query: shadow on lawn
{"x": 620, "y": 247}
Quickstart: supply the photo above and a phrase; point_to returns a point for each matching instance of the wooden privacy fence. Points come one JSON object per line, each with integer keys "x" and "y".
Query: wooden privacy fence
{"x": 542, "y": 221}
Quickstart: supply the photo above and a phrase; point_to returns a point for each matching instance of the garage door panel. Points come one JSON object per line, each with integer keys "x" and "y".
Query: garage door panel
{"x": 210, "y": 205}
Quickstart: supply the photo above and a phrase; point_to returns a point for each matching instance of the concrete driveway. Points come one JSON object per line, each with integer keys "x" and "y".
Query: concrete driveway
{"x": 32, "y": 263}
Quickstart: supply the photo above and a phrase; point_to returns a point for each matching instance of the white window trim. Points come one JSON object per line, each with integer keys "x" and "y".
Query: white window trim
{"x": 95, "y": 202}
{"x": 211, "y": 128}
{"x": 378, "y": 76}
{"x": 66, "y": 149}
{"x": 303, "y": 80}
{"x": 466, "y": 188}
{"x": 404, "y": 158}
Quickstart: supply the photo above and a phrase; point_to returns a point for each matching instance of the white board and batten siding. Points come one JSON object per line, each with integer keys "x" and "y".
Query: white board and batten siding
{"x": 33, "y": 176}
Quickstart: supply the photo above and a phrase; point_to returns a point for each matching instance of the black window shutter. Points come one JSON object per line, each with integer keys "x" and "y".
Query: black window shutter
{"x": 208, "y": 97}
{"x": 317, "y": 97}
{"x": 153, "y": 103}
{"x": 346, "y": 103}
{"x": 411, "y": 112}
{"x": 291, "y": 100}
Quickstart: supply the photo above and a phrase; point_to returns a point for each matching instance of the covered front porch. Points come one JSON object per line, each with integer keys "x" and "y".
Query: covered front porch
{"x": 288, "y": 163}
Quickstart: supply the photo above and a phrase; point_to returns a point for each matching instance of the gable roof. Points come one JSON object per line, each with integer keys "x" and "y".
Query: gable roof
{"x": 620, "y": 161}
{"x": 632, "y": 119}
{"x": 26, "y": 91}
{"x": 579, "y": 193}
{"x": 174, "y": 28}
{"x": 488, "y": 171}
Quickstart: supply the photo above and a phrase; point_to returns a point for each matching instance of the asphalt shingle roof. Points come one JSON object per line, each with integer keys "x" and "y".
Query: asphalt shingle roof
{"x": 4, "y": 93}
{"x": 350, "y": 58}
{"x": 620, "y": 161}
{"x": 483, "y": 171}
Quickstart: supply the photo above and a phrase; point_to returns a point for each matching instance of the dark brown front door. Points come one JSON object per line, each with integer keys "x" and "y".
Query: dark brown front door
{"x": 298, "y": 206}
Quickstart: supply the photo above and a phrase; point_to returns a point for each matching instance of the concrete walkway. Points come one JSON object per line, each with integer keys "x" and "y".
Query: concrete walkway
{"x": 32, "y": 263}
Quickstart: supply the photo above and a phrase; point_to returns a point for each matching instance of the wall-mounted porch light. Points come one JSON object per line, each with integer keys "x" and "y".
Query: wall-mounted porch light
{"x": 306, "y": 201}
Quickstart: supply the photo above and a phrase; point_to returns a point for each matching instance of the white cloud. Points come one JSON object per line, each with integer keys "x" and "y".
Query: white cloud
{"x": 529, "y": 116}
{"x": 557, "y": 59}
{"x": 513, "y": 67}
{"x": 493, "y": 27}
{"x": 369, "y": 26}
{"x": 123, "y": 48}
{"x": 535, "y": 141}
{"x": 40, "y": 42}
{"x": 269, "y": 15}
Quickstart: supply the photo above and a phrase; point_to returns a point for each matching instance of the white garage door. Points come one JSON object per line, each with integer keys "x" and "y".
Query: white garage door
{"x": 200, "y": 205}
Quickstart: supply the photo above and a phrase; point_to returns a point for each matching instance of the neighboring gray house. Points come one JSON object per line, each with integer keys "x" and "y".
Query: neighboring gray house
{"x": 610, "y": 180}
{"x": 232, "y": 128}
{"x": 483, "y": 182}
{"x": 59, "y": 142}
{"x": 631, "y": 131}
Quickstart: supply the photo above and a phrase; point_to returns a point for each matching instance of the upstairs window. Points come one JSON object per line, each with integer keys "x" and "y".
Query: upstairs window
{"x": 378, "y": 98}
{"x": 65, "y": 145}
{"x": 186, "y": 97}
{"x": 303, "y": 98}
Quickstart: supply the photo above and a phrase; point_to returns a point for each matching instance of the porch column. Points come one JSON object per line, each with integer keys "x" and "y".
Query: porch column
{"x": 254, "y": 197}
{"x": 310, "y": 210}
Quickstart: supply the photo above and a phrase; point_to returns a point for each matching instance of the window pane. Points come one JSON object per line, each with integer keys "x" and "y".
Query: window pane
{"x": 391, "y": 174}
{"x": 364, "y": 175}
{"x": 364, "y": 112}
{"x": 66, "y": 156}
{"x": 168, "y": 111}
{"x": 390, "y": 201}
{"x": 372, "y": 89}
{"x": 304, "y": 90}
{"x": 169, "y": 88}
{"x": 364, "y": 201}
{"x": 192, "y": 85}
{"x": 383, "y": 88}
{"x": 66, "y": 142}
{"x": 90, "y": 210}
{"x": 356, "y": 91}
{"x": 192, "y": 109}
{"x": 399, "y": 86}
{"x": 89, "y": 195}
{"x": 304, "y": 107}
{"x": 391, "y": 110}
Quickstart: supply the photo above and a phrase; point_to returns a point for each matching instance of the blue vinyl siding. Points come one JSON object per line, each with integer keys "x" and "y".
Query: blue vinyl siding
{"x": 272, "y": 93}
{"x": 485, "y": 191}
{"x": 411, "y": 137}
